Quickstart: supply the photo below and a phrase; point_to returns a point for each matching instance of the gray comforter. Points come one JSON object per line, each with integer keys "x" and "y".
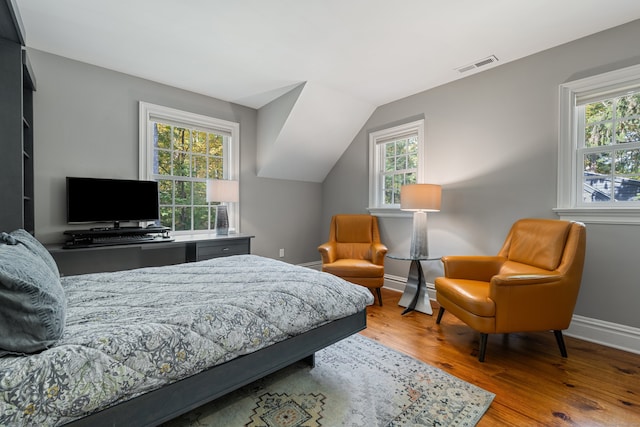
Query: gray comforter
{"x": 134, "y": 331}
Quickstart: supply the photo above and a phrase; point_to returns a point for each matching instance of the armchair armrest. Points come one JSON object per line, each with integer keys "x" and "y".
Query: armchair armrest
{"x": 328, "y": 252}
{"x": 532, "y": 302}
{"x": 524, "y": 279}
{"x": 378, "y": 252}
{"x": 481, "y": 268}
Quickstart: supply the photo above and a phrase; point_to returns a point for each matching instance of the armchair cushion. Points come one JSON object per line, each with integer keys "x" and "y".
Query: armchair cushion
{"x": 354, "y": 229}
{"x": 523, "y": 242}
{"x": 472, "y": 295}
{"x": 354, "y": 268}
{"x": 354, "y": 251}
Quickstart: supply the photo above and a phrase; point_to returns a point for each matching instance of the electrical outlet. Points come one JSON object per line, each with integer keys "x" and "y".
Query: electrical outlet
{"x": 282, "y": 253}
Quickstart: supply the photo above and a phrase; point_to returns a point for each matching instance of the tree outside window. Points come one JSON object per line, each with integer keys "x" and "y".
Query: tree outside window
{"x": 396, "y": 158}
{"x": 183, "y": 159}
{"x": 400, "y": 167}
{"x": 610, "y": 150}
{"x": 182, "y": 151}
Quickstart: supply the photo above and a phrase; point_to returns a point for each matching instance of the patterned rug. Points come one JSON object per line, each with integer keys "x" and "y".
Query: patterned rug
{"x": 356, "y": 382}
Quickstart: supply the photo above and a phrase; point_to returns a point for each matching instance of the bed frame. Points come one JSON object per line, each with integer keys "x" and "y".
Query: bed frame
{"x": 168, "y": 402}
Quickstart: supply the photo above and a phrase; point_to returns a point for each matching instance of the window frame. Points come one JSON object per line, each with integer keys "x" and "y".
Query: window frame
{"x": 150, "y": 113}
{"x": 569, "y": 203}
{"x": 376, "y": 158}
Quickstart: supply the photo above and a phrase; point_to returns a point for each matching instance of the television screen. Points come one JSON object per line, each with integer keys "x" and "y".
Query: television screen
{"x": 113, "y": 200}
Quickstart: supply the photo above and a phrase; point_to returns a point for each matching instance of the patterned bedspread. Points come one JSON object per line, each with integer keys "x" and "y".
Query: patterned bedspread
{"x": 134, "y": 331}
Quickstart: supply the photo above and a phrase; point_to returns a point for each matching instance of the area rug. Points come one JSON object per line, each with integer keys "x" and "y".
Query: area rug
{"x": 356, "y": 382}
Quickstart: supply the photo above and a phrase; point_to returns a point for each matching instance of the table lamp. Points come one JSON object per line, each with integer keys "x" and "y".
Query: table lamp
{"x": 223, "y": 191}
{"x": 420, "y": 198}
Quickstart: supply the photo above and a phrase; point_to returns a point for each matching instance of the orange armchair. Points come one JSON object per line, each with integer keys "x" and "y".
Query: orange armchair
{"x": 354, "y": 251}
{"x": 531, "y": 285}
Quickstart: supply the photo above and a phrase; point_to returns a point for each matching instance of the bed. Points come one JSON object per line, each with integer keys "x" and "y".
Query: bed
{"x": 143, "y": 346}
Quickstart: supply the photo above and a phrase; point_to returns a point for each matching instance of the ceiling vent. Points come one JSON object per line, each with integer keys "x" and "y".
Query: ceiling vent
{"x": 477, "y": 64}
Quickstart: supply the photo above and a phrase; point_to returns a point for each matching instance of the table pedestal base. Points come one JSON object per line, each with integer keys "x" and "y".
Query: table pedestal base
{"x": 415, "y": 296}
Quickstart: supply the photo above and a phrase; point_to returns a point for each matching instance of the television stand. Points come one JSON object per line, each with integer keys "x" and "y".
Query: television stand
{"x": 179, "y": 249}
{"x": 110, "y": 236}
{"x": 116, "y": 226}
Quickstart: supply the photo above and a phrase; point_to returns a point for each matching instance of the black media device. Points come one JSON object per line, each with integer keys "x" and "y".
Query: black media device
{"x": 111, "y": 200}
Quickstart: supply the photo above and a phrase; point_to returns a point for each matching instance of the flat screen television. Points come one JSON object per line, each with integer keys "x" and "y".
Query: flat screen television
{"x": 111, "y": 200}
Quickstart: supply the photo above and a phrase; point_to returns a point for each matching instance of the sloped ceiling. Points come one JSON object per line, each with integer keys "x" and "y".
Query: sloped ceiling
{"x": 314, "y": 69}
{"x": 303, "y": 133}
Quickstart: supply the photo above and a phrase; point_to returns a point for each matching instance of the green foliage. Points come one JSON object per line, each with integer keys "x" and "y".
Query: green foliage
{"x": 186, "y": 158}
{"x": 182, "y": 218}
{"x": 165, "y": 187}
{"x": 627, "y": 162}
{"x": 628, "y": 105}
{"x": 400, "y": 167}
{"x": 201, "y": 218}
{"x": 600, "y": 121}
{"x": 181, "y": 139}
{"x": 598, "y": 111}
{"x": 163, "y": 139}
{"x": 612, "y": 171}
{"x": 598, "y": 163}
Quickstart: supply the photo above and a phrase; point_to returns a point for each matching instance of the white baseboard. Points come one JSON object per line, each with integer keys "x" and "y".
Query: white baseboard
{"x": 597, "y": 331}
{"x": 397, "y": 283}
{"x": 316, "y": 265}
{"x": 609, "y": 334}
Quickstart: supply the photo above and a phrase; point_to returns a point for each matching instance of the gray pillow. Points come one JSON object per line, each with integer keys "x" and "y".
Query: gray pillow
{"x": 32, "y": 301}
{"x": 22, "y": 236}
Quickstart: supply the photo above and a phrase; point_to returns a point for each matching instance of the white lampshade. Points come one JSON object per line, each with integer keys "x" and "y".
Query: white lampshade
{"x": 420, "y": 197}
{"x": 221, "y": 190}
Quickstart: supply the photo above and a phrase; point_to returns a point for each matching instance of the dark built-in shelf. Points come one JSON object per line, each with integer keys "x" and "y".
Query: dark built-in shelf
{"x": 17, "y": 84}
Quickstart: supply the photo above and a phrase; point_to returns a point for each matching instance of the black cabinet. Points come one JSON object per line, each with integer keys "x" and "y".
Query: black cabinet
{"x": 218, "y": 248}
{"x": 17, "y": 84}
{"x": 188, "y": 248}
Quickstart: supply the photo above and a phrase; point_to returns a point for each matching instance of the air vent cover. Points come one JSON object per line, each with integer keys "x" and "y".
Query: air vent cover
{"x": 477, "y": 64}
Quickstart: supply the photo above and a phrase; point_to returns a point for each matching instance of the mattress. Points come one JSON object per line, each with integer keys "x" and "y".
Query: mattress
{"x": 130, "y": 332}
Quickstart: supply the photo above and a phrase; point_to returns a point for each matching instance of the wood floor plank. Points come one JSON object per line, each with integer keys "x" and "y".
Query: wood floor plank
{"x": 534, "y": 385}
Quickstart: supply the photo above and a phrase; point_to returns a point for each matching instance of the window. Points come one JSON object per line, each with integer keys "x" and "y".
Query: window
{"x": 599, "y": 148}
{"x": 395, "y": 158}
{"x": 609, "y": 149}
{"x": 181, "y": 151}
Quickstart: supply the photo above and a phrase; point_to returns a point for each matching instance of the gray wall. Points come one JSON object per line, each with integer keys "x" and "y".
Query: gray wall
{"x": 491, "y": 141}
{"x": 86, "y": 124}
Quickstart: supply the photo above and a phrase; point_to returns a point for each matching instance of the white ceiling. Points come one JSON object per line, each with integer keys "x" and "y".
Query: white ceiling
{"x": 251, "y": 52}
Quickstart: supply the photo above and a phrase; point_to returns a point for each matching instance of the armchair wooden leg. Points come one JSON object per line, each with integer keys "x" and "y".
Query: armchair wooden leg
{"x": 560, "y": 341}
{"x": 440, "y": 313}
{"x": 483, "y": 346}
{"x": 379, "y": 293}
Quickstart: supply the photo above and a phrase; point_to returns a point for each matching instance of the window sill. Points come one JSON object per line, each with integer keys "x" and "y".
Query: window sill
{"x": 390, "y": 213}
{"x": 600, "y": 215}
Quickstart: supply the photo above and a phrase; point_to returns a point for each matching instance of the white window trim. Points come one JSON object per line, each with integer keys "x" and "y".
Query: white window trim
{"x": 232, "y": 168}
{"x": 568, "y": 206}
{"x": 375, "y": 205}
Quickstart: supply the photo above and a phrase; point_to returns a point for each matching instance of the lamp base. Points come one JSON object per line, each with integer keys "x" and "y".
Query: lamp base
{"x": 419, "y": 241}
{"x": 222, "y": 220}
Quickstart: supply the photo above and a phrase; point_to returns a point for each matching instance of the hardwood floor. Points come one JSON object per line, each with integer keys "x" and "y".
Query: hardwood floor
{"x": 533, "y": 384}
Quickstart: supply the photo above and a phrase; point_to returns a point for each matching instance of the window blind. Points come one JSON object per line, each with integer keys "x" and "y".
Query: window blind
{"x": 614, "y": 91}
